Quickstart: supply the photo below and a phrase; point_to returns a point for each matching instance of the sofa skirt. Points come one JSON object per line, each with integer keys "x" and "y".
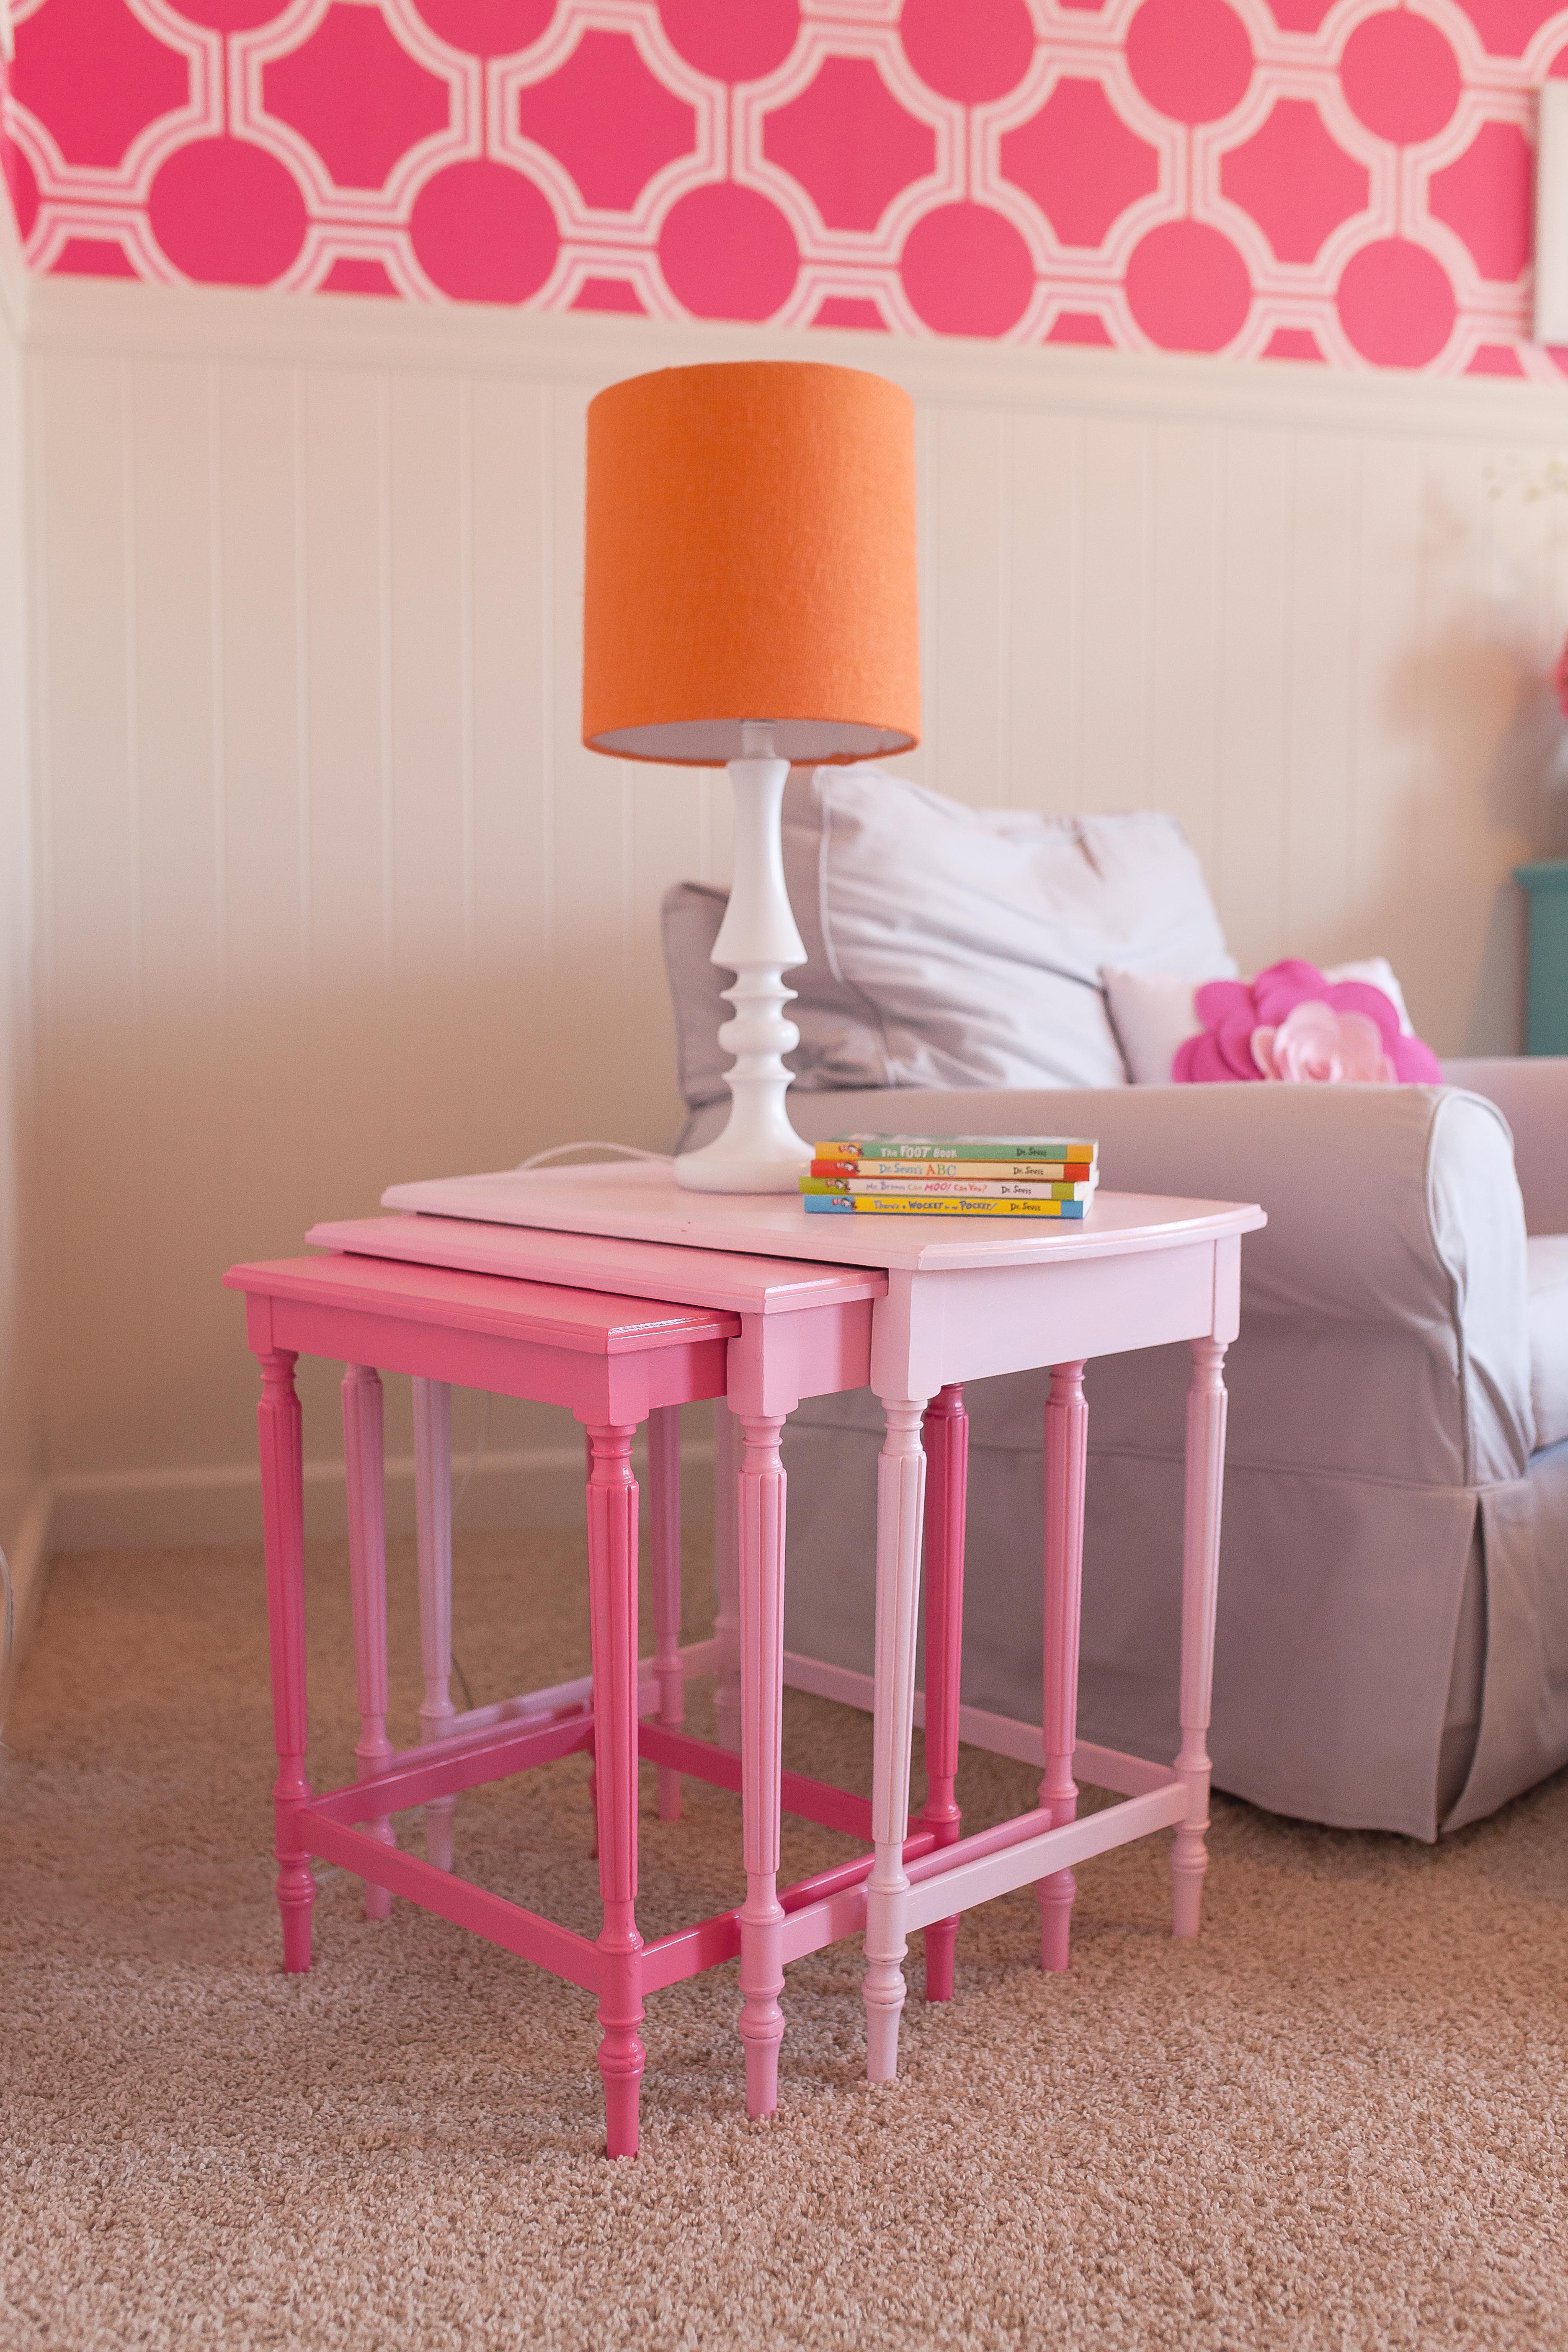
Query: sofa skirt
{"x": 1387, "y": 1656}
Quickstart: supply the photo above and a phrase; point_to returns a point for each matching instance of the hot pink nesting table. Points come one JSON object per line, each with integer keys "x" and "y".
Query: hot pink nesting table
{"x": 762, "y": 1332}
{"x": 960, "y": 1300}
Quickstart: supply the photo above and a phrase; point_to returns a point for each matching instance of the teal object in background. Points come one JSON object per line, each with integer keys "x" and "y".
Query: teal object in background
{"x": 1546, "y": 1021}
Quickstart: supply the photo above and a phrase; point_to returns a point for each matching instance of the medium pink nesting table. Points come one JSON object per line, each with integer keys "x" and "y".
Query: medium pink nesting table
{"x": 673, "y": 1326}
{"x": 958, "y": 1300}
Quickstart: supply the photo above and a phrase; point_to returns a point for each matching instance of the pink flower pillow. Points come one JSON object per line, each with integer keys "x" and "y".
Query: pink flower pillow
{"x": 1293, "y": 1025}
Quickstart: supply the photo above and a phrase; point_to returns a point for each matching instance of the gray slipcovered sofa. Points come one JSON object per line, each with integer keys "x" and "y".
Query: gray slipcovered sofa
{"x": 1392, "y": 1636}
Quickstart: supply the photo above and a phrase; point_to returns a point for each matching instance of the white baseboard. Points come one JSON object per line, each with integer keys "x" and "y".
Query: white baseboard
{"x": 162, "y": 1510}
{"x": 27, "y": 1559}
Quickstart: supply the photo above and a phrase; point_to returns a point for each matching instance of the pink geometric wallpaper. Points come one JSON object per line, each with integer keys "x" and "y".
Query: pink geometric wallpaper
{"x": 1339, "y": 180}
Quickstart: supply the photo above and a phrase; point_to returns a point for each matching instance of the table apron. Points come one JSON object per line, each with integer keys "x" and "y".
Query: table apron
{"x": 621, "y": 1390}
{"x": 973, "y": 1323}
{"x": 816, "y": 1351}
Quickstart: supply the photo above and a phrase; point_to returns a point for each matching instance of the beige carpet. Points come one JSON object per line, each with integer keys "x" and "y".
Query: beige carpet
{"x": 1336, "y": 2122}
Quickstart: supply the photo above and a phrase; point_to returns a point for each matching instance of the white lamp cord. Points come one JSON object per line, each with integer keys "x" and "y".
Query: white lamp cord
{"x": 559, "y": 1150}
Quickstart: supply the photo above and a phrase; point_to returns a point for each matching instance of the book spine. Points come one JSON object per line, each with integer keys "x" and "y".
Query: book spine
{"x": 948, "y": 1186}
{"x": 941, "y": 1147}
{"x": 992, "y": 1172}
{"x": 841, "y": 1205}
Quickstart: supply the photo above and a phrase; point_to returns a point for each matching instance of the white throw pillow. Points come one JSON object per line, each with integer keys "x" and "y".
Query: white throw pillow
{"x": 1154, "y": 1013}
{"x": 1378, "y": 973}
{"x": 957, "y": 946}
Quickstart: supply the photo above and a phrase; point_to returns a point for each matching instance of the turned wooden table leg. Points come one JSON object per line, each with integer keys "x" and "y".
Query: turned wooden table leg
{"x": 433, "y": 1513}
{"x": 1200, "y": 1592}
{"x": 613, "y": 1622}
{"x": 283, "y": 1519}
{"x": 727, "y": 1574}
{"x": 593, "y": 1758}
{"x": 900, "y": 1498}
{"x": 664, "y": 1549}
{"x": 1067, "y": 1447}
{"x": 761, "y": 1567}
{"x": 945, "y": 1437}
{"x": 363, "y": 1461}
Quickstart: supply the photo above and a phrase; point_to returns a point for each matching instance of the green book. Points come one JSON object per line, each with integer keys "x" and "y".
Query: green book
{"x": 956, "y": 1147}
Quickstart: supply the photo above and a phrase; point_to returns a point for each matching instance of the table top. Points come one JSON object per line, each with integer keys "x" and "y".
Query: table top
{"x": 583, "y": 1322}
{"x": 641, "y": 1201}
{"x": 693, "y": 1277}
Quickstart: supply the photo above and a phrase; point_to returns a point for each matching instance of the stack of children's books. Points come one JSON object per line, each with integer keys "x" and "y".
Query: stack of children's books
{"x": 953, "y": 1175}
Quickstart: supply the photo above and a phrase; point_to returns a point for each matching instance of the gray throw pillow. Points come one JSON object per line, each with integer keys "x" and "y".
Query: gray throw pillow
{"x": 949, "y": 946}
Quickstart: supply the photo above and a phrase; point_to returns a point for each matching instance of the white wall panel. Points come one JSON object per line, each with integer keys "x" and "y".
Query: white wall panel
{"x": 23, "y": 1494}
{"x": 508, "y": 956}
{"x": 262, "y": 786}
{"x": 1319, "y": 780}
{"x": 968, "y": 644}
{"x": 177, "y": 1057}
{"x": 1247, "y": 862}
{"x": 91, "y": 1007}
{"x": 329, "y": 892}
{"x": 1041, "y": 561}
{"x": 1389, "y": 729}
{"x": 1179, "y": 680}
{"x": 1116, "y": 487}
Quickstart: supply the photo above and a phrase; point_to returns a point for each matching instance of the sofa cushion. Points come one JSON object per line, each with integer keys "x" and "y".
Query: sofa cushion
{"x": 949, "y": 946}
{"x": 1547, "y": 1256}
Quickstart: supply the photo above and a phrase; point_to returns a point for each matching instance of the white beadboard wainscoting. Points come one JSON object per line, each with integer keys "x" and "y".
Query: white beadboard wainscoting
{"x": 328, "y": 893}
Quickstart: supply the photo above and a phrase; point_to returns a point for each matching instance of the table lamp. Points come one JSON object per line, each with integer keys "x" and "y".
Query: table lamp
{"x": 750, "y": 600}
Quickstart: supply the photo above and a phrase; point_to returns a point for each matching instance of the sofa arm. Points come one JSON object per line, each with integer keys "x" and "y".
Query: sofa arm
{"x": 1393, "y": 1213}
{"x": 1531, "y": 1092}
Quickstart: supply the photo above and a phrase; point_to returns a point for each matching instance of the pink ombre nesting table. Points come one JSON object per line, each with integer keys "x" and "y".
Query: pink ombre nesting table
{"x": 948, "y": 1302}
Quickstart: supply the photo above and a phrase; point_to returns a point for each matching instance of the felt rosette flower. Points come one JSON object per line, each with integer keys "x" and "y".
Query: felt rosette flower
{"x": 1293, "y": 1026}
{"x": 1316, "y": 1045}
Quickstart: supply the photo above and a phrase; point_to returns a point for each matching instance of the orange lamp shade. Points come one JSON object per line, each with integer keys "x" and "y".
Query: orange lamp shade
{"x": 751, "y": 555}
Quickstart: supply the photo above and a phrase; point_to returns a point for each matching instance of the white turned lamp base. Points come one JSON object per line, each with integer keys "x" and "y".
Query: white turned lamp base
{"x": 719, "y": 1168}
{"x": 759, "y": 1150}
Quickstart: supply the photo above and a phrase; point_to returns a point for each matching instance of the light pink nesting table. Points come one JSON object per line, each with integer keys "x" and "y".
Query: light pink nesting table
{"x": 958, "y": 1300}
